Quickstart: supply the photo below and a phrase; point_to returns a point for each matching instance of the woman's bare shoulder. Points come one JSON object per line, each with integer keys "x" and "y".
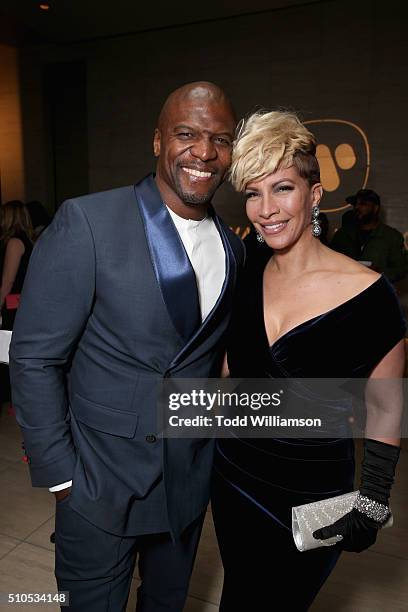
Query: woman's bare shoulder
{"x": 15, "y": 245}
{"x": 350, "y": 275}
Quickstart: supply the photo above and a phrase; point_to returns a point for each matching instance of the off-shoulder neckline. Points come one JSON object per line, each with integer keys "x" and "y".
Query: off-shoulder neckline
{"x": 317, "y": 317}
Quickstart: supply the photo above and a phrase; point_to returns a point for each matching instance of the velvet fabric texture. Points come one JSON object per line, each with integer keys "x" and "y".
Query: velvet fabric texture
{"x": 256, "y": 482}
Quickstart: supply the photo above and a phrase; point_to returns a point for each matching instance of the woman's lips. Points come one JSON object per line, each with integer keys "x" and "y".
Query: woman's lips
{"x": 271, "y": 229}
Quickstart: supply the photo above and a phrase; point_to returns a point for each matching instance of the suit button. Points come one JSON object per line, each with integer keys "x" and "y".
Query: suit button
{"x": 151, "y": 438}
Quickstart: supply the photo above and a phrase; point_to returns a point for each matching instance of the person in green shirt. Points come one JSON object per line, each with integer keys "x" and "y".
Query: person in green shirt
{"x": 370, "y": 240}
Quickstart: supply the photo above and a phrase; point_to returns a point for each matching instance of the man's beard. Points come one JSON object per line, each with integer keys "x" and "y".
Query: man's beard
{"x": 367, "y": 219}
{"x": 193, "y": 199}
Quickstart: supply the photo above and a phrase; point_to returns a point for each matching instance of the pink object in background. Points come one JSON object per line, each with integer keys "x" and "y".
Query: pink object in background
{"x": 12, "y": 301}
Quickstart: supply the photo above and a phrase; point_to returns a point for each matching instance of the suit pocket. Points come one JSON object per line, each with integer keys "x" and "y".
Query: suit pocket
{"x": 104, "y": 419}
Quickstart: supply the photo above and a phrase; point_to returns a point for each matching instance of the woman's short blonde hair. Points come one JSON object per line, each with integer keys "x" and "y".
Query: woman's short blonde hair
{"x": 268, "y": 141}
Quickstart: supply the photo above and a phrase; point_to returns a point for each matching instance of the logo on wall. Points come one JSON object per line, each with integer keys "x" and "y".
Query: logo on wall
{"x": 343, "y": 153}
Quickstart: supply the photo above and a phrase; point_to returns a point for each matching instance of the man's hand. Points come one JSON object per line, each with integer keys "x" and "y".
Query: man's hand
{"x": 60, "y": 495}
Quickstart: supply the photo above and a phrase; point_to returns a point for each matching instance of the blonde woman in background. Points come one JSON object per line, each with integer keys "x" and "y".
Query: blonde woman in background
{"x": 308, "y": 312}
{"x": 16, "y": 244}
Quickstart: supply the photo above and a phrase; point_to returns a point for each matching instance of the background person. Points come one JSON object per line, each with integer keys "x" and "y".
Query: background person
{"x": 16, "y": 244}
{"x": 372, "y": 241}
{"x": 16, "y": 236}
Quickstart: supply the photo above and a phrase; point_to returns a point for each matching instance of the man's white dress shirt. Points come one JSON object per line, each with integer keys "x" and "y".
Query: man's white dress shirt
{"x": 206, "y": 253}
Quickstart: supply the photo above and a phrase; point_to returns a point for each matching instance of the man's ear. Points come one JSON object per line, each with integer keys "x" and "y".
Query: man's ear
{"x": 156, "y": 142}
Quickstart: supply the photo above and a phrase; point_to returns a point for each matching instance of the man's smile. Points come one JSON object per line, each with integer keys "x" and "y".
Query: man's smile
{"x": 198, "y": 175}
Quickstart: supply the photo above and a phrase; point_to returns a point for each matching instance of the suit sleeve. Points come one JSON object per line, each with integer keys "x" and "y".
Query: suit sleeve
{"x": 56, "y": 302}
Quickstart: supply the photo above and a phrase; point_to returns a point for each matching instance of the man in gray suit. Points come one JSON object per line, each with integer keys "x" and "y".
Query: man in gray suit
{"x": 125, "y": 288}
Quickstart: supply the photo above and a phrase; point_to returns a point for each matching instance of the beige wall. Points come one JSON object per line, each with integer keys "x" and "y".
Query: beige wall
{"x": 11, "y": 141}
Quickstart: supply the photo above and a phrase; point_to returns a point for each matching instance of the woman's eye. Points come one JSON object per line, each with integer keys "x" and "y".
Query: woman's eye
{"x": 285, "y": 188}
{"x": 250, "y": 194}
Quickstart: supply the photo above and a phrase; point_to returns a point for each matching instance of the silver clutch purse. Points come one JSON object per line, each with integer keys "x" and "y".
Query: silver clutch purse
{"x": 309, "y": 517}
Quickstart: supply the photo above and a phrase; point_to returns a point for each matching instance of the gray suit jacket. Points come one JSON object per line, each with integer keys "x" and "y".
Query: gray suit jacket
{"x": 109, "y": 308}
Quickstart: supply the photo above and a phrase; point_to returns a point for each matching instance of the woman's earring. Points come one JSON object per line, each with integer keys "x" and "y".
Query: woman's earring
{"x": 316, "y": 229}
{"x": 259, "y": 238}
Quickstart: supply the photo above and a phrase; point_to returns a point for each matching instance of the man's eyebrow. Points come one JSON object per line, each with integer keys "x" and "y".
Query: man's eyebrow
{"x": 225, "y": 134}
{"x": 183, "y": 127}
{"x": 218, "y": 133}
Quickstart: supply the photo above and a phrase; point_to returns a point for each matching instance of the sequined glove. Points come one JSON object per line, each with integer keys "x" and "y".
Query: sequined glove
{"x": 358, "y": 529}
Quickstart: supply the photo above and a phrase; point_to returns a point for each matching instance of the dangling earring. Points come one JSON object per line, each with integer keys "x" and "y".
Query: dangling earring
{"x": 259, "y": 238}
{"x": 316, "y": 229}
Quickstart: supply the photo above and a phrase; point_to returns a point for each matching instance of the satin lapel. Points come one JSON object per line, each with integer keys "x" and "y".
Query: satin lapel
{"x": 171, "y": 264}
{"x": 224, "y": 301}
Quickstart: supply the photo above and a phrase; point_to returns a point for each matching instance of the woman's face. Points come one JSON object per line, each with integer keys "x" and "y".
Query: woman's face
{"x": 280, "y": 206}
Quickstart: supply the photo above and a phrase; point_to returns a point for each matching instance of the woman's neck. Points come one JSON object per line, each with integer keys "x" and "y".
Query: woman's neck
{"x": 305, "y": 255}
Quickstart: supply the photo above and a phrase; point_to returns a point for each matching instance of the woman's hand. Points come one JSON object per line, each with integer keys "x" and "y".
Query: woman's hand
{"x": 359, "y": 527}
{"x": 384, "y": 403}
{"x": 358, "y": 531}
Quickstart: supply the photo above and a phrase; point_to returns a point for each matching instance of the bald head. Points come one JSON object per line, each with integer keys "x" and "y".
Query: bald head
{"x": 197, "y": 93}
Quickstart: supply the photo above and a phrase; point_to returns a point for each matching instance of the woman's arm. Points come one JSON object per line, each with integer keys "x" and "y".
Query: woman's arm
{"x": 384, "y": 401}
{"x": 12, "y": 258}
{"x": 384, "y": 397}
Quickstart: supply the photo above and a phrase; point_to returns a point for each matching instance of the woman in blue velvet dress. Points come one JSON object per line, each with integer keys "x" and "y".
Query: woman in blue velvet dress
{"x": 306, "y": 312}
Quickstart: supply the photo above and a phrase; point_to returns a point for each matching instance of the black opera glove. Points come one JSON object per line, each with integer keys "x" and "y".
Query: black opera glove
{"x": 357, "y": 530}
{"x": 378, "y": 470}
{"x": 359, "y": 527}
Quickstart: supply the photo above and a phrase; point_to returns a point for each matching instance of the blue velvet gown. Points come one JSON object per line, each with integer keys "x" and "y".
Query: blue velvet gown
{"x": 257, "y": 481}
